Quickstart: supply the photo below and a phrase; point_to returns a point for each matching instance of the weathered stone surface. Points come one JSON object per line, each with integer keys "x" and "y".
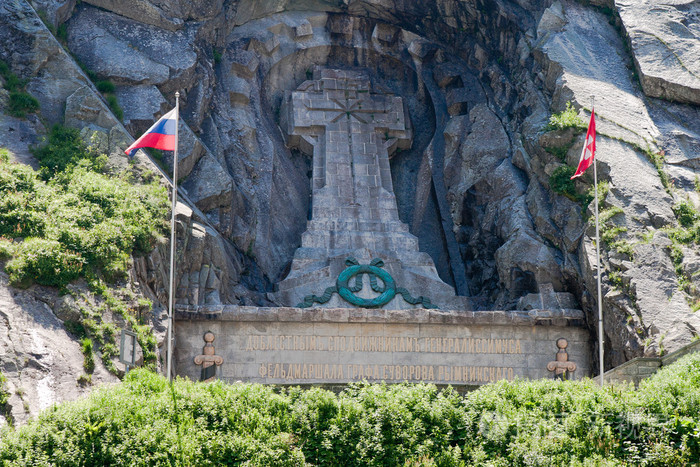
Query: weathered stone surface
{"x": 129, "y": 52}
{"x": 665, "y": 41}
{"x": 141, "y": 11}
{"x": 336, "y": 345}
{"x": 481, "y": 150}
{"x": 142, "y": 105}
{"x": 210, "y": 185}
{"x": 184, "y": 10}
{"x": 649, "y": 282}
{"x": 56, "y": 11}
{"x": 40, "y": 360}
{"x": 84, "y": 108}
{"x": 464, "y": 205}
{"x": 351, "y": 130}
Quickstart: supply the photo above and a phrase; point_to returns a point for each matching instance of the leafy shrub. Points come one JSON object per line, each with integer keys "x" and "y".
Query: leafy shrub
{"x": 7, "y": 249}
{"x": 22, "y": 103}
{"x": 560, "y": 181}
{"x": 685, "y": 213}
{"x": 63, "y": 149}
{"x": 46, "y": 262}
{"x": 62, "y": 33}
{"x": 217, "y": 56}
{"x": 568, "y": 118}
{"x": 114, "y": 106}
{"x": 105, "y": 86}
{"x": 4, "y": 395}
{"x": 12, "y": 82}
{"x": 79, "y": 211}
{"x": 88, "y": 356}
{"x": 145, "y": 421}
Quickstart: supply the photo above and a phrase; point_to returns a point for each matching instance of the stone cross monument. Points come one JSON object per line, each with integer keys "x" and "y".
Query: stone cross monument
{"x": 351, "y": 132}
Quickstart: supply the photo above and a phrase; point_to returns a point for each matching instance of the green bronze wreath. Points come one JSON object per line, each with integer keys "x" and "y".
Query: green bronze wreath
{"x": 374, "y": 270}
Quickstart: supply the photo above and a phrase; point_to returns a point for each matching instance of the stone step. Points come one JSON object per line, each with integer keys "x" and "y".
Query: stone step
{"x": 356, "y": 225}
{"x": 351, "y": 240}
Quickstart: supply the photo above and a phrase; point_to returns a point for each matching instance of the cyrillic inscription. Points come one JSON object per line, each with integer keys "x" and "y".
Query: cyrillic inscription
{"x": 463, "y": 345}
{"x": 291, "y": 372}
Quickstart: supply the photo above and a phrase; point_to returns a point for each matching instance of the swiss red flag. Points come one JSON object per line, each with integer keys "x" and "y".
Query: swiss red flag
{"x": 588, "y": 148}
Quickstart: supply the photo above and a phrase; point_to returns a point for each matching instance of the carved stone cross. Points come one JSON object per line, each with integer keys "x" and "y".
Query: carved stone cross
{"x": 208, "y": 359}
{"x": 562, "y": 366}
{"x": 351, "y": 131}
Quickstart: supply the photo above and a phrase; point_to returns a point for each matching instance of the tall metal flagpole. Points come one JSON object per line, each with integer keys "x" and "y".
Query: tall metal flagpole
{"x": 597, "y": 250}
{"x": 172, "y": 241}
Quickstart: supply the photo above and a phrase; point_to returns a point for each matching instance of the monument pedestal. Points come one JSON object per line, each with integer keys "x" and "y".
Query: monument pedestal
{"x": 336, "y": 346}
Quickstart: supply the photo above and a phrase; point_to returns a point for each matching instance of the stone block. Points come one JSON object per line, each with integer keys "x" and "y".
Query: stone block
{"x": 303, "y": 30}
{"x": 266, "y": 45}
{"x": 385, "y": 34}
{"x": 244, "y": 64}
{"x": 422, "y": 50}
{"x": 448, "y": 74}
{"x": 239, "y": 93}
{"x": 458, "y": 101}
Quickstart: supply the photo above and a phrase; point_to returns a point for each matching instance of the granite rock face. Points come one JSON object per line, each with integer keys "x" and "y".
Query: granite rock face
{"x": 665, "y": 40}
{"x": 633, "y": 131}
{"x": 40, "y": 360}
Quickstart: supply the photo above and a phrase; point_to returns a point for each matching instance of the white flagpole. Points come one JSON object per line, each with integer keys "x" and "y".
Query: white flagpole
{"x": 597, "y": 250}
{"x": 172, "y": 241}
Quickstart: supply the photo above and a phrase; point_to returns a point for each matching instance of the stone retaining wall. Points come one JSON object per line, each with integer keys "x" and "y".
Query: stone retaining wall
{"x": 637, "y": 369}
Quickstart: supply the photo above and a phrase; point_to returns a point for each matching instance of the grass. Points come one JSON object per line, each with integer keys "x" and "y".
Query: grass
{"x": 21, "y": 102}
{"x": 217, "y": 55}
{"x": 560, "y": 152}
{"x": 568, "y": 118}
{"x": 686, "y": 213}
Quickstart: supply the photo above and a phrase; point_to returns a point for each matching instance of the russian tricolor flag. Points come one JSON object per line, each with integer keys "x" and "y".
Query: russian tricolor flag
{"x": 160, "y": 136}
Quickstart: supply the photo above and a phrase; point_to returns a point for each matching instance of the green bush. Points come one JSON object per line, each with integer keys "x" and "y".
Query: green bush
{"x": 145, "y": 422}
{"x": 685, "y": 213}
{"x": 560, "y": 182}
{"x": 567, "y": 118}
{"x": 12, "y": 82}
{"x": 46, "y": 262}
{"x": 7, "y": 249}
{"x": 88, "y": 356}
{"x": 63, "y": 149}
{"x": 4, "y": 395}
{"x": 62, "y": 33}
{"x": 114, "y": 106}
{"x": 78, "y": 212}
{"x": 22, "y": 103}
{"x": 105, "y": 86}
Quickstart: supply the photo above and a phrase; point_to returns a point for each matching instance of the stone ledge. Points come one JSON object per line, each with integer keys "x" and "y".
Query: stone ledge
{"x": 561, "y": 317}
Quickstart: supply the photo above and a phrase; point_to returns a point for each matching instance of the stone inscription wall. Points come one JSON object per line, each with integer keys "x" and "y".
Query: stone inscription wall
{"x": 322, "y": 352}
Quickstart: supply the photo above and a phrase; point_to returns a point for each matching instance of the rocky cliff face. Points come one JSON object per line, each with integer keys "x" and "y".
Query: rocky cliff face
{"x": 479, "y": 79}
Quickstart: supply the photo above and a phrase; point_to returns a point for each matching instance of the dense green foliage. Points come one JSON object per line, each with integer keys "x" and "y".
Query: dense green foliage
{"x": 560, "y": 181}
{"x": 568, "y": 118}
{"x": 686, "y": 213}
{"x": 78, "y": 222}
{"x": 144, "y": 421}
{"x": 20, "y": 103}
